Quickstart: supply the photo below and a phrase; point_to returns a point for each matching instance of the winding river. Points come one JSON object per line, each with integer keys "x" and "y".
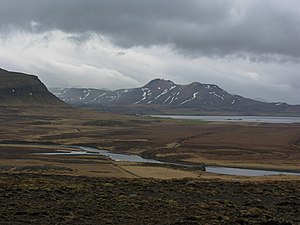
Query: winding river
{"x": 136, "y": 158}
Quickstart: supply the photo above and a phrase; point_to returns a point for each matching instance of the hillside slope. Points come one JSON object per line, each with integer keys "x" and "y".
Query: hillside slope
{"x": 18, "y": 89}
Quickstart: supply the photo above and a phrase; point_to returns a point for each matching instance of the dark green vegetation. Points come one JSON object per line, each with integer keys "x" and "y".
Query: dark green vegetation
{"x": 37, "y": 199}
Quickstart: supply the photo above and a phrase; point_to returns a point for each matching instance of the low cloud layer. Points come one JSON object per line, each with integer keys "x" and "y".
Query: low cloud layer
{"x": 249, "y": 47}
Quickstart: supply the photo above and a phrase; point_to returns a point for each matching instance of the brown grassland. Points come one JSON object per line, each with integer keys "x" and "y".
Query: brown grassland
{"x": 255, "y": 145}
{"x": 91, "y": 189}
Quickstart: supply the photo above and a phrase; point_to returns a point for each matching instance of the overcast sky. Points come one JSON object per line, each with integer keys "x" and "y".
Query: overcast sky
{"x": 247, "y": 47}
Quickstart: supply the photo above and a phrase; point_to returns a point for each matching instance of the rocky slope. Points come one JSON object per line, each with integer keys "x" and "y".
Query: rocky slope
{"x": 18, "y": 89}
{"x": 159, "y": 95}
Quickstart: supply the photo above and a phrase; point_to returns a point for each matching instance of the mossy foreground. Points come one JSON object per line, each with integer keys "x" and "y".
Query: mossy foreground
{"x": 52, "y": 199}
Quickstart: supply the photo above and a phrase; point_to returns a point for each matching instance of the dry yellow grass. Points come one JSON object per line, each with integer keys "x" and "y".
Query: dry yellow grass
{"x": 227, "y": 144}
{"x": 160, "y": 172}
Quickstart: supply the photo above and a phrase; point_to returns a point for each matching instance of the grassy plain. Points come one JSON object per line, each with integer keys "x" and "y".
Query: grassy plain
{"x": 91, "y": 189}
{"x": 255, "y": 145}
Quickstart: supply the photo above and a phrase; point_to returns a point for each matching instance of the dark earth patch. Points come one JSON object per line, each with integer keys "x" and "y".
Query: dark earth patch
{"x": 49, "y": 199}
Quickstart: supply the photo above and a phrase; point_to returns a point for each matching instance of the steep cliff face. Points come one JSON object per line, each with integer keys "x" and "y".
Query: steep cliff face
{"x": 18, "y": 89}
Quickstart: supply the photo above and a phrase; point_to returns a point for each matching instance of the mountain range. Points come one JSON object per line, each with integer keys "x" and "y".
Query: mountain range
{"x": 164, "y": 96}
{"x": 159, "y": 96}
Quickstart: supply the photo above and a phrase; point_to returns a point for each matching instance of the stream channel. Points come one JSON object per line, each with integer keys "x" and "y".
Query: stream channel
{"x": 136, "y": 158}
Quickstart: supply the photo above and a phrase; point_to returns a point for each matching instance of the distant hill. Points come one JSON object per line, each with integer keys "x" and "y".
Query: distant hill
{"x": 164, "y": 96}
{"x": 18, "y": 89}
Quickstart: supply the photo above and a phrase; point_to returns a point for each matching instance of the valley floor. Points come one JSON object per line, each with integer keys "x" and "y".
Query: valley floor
{"x": 44, "y": 189}
{"x": 249, "y": 145}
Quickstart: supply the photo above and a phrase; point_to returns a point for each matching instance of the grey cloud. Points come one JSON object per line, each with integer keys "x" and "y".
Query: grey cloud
{"x": 59, "y": 61}
{"x": 213, "y": 28}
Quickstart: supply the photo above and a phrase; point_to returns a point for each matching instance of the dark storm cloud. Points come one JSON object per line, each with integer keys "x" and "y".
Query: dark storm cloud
{"x": 214, "y": 27}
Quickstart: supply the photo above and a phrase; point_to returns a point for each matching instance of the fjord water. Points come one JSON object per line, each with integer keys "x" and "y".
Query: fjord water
{"x": 249, "y": 119}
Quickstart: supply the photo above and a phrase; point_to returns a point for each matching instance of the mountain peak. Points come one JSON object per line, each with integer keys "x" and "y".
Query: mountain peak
{"x": 159, "y": 81}
{"x": 160, "y": 94}
{"x": 195, "y": 84}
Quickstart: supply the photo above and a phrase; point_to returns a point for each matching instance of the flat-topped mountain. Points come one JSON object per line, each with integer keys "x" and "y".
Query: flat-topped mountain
{"x": 18, "y": 89}
{"x": 164, "y": 95}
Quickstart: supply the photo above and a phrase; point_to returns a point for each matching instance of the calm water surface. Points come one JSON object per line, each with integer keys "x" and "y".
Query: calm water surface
{"x": 254, "y": 119}
{"x": 136, "y": 158}
{"x": 245, "y": 172}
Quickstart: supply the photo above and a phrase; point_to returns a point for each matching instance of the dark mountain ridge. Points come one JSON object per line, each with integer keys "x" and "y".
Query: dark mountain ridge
{"x": 19, "y": 89}
{"x": 164, "y": 96}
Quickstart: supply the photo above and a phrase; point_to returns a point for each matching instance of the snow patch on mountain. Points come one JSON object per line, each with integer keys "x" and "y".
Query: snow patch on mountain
{"x": 166, "y": 93}
{"x": 146, "y": 91}
{"x": 188, "y": 100}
